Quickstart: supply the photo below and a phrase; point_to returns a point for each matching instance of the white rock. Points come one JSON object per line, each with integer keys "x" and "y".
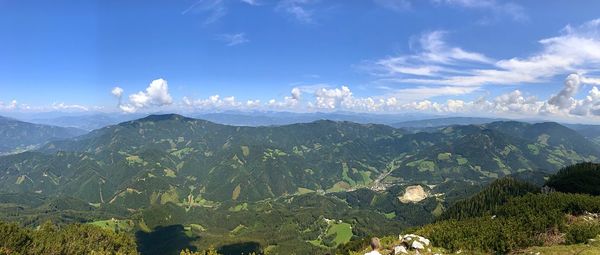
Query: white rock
{"x": 409, "y": 237}
{"x": 400, "y": 249}
{"x": 424, "y": 240}
{"x": 417, "y": 245}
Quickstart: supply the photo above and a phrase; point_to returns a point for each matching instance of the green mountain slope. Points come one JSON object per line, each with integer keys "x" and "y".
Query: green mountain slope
{"x": 489, "y": 199}
{"x": 305, "y": 187}
{"x": 493, "y": 150}
{"x": 17, "y": 135}
{"x": 580, "y": 178}
{"x": 170, "y": 158}
{"x": 514, "y": 217}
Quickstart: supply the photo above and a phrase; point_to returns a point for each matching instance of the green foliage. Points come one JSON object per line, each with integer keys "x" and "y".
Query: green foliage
{"x": 69, "y": 239}
{"x": 210, "y": 251}
{"x": 580, "y": 178}
{"x": 489, "y": 199}
{"x": 515, "y": 224}
{"x": 13, "y": 239}
{"x": 582, "y": 231}
{"x": 169, "y": 173}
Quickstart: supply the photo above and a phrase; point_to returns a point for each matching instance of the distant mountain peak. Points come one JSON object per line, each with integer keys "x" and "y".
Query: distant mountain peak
{"x": 160, "y": 117}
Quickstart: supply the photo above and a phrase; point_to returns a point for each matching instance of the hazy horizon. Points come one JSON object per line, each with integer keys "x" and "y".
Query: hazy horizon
{"x": 460, "y": 58}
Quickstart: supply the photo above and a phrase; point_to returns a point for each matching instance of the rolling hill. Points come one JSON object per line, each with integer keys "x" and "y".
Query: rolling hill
{"x": 177, "y": 176}
{"x": 18, "y": 135}
{"x": 164, "y": 158}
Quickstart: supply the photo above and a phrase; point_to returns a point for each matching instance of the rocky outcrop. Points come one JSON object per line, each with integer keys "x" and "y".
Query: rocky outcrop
{"x": 413, "y": 194}
{"x": 412, "y": 242}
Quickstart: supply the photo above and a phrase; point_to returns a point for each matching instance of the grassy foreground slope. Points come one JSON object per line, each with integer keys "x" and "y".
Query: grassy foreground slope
{"x": 70, "y": 239}
{"x": 511, "y": 217}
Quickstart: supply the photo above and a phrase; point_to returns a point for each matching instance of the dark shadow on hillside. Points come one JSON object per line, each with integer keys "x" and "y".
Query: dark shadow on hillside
{"x": 164, "y": 241}
{"x": 240, "y": 248}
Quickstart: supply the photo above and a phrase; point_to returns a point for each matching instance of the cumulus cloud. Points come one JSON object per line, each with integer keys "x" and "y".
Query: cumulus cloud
{"x": 253, "y": 103}
{"x": 564, "y": 98}
{"x": 213, "y": 102}
{"x": 296, "y": 93}
{"x": 512, "y": 103}
{"x": 342, "y": 98}
{"x": 332, "y": 98}
{"x": 12, "y": 105}
{"x": 118, "y": 93}
{"x": 69, "y": 107}
{"x": 288, "y": 102}
{"x": 155, "y": 95}
{"x": 589, "y": 106}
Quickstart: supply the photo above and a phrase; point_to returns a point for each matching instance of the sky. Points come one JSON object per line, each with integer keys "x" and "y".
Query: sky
{"x": 460, "y": 57}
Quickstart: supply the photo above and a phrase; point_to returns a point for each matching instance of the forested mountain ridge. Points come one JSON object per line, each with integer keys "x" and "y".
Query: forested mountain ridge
{"x": 318, "y": 184}
{"x": 18, "y": 135}
{"x": 171, "y": 158}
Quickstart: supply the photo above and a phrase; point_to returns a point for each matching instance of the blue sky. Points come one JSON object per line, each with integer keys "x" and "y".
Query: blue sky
{"x": 443, "y": 56}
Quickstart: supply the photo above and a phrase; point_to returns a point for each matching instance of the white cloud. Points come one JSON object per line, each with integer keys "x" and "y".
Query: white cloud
{"x": 577, "y": 49}
{"x": 155, "y": 95}
{"x": 514, "y": 103}
{"x": 213, "y": 102}
{"x": 233, "y": 39}
{"x": 564, "y": 98}
{"x": 213, "y": 10}
{"x": 589, "y": 106}
{"x": 61, "y": 107}
{"x": 10, "y": 106}
{"x": 69, "y": 107}
{"x": 342, "y": 98}
{"x": 297, "y": 9}
{"x": 288, "y": 102}
{"x": 332, "y": 98}
{"x": 253, "y": 103}
{"x": 434, "y": 59}
{"x": 425, "y": 92}
{"x": 251, "y": 2}
{"x": 515, "y": 11}
{"x": 296, "y": 93}
{"x": 117, "y": 91}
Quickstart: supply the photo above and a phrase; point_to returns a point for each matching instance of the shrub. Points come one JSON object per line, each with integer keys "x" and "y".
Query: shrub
{"x": 582, "y": 231}
{"x": 580, "y": 178}
{"x": 519, "y": 223}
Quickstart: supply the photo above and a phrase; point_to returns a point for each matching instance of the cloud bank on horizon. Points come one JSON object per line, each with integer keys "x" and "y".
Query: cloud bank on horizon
{"x": 433, "y": 76}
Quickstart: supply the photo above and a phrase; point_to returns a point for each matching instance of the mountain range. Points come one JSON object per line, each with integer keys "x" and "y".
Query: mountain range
{"x": 16, "y": 136}
{"x": 140, "y": 161}
{"x": 369, "y": 179}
